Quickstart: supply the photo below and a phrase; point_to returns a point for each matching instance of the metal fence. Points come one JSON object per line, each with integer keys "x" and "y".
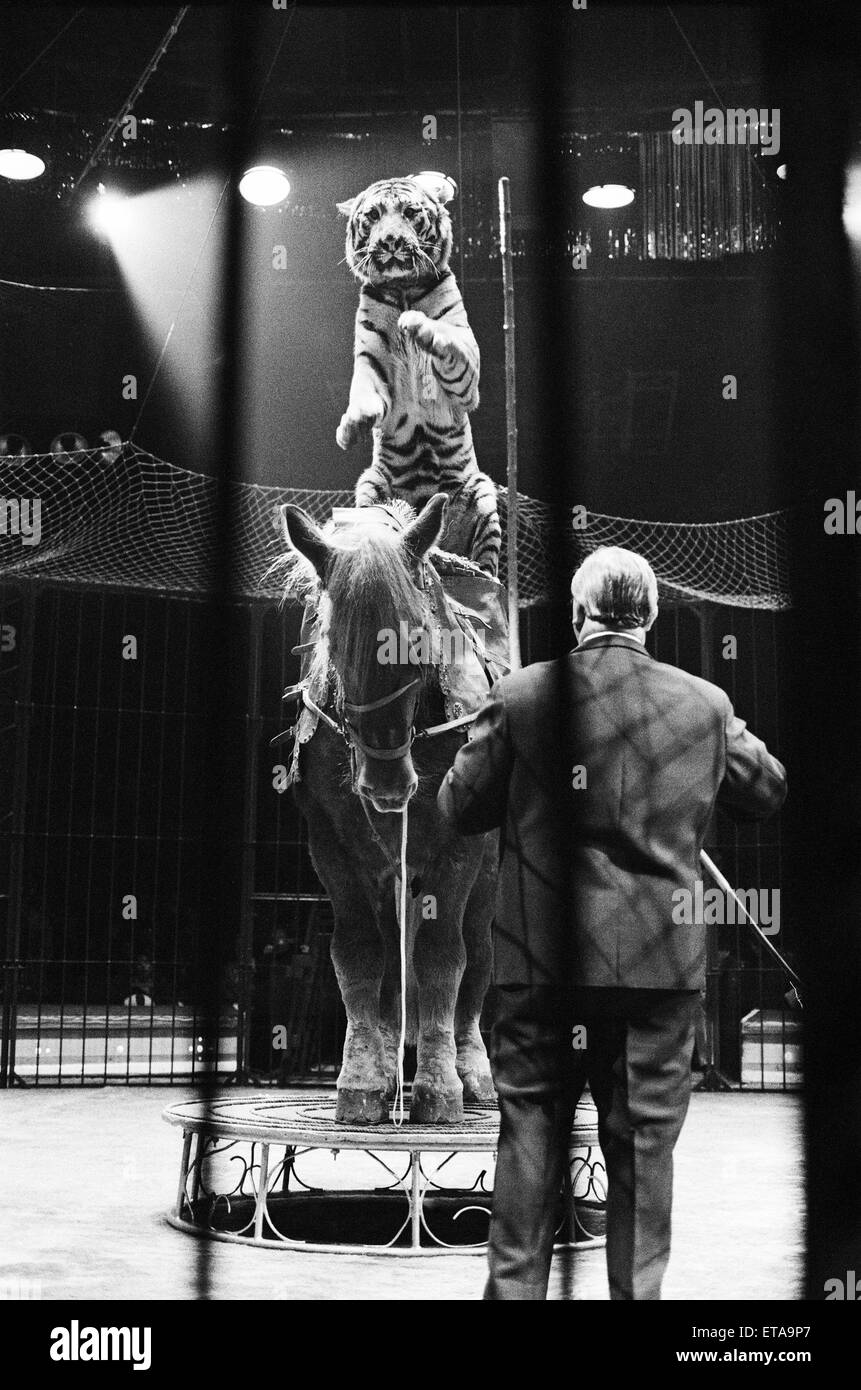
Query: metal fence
{"x": 101, "y": 738}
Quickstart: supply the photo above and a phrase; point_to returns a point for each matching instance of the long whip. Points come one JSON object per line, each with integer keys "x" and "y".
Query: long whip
{"x": 727, "y": 887}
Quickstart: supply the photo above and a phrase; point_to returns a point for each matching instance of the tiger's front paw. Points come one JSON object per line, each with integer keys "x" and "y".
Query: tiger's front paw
{"x": 419, "y": 329}
{"x": 357, "y": 422}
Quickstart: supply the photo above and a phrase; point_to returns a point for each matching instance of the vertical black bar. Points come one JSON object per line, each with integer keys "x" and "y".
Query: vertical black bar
{"x": 180, "y": 901}
{"x": 167, "y": 608}
{"x": 23, "y": 721}
{"x": 46, "y": 709}
{"x": 224, "y": 683}
{"x": 561, "y": 476}
{"x": 705, "y": 614}
{"x": 815, "y": 55}
{"x": 556, "y": 294}
{"x": 712, "y": 1063}
{"x": 253, "y": 725}
{"x": 102, "y": 943}
{"x": 80, "y": 982}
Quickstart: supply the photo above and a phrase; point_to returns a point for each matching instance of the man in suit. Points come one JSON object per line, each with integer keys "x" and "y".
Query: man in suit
{"x": 603, "y": 771}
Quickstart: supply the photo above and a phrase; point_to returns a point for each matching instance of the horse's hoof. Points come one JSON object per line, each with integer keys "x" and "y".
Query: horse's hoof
{"x": 435, "y": 1107}
{"x": 361, "y": 1108}
{"x": 478, "y": 1087}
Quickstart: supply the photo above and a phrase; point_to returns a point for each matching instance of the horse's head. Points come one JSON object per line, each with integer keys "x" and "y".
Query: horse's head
{"x": 375, "y": 621}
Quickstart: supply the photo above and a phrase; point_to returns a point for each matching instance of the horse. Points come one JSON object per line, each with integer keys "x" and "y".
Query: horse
{"x": 370, "y": 763}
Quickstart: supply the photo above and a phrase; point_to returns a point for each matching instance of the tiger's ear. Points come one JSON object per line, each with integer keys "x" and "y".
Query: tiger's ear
{"x": 347, "y": 207}
{"x": 303, "y": 536}
{"x": 427, "y": 528}
{"x": 439, "y": 186}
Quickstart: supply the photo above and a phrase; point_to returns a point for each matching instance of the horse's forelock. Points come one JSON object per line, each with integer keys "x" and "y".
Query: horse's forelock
{"x": 371, "y": 589}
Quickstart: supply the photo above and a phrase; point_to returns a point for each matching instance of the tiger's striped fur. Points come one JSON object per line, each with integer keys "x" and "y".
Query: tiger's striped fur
{"x": 416, "y": 363}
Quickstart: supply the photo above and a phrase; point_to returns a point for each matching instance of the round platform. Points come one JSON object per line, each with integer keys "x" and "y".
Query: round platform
{"x": 233, "y": 1187}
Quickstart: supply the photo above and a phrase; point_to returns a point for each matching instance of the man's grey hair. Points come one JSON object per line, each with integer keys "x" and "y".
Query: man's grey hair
{"x": 617, "y": 588}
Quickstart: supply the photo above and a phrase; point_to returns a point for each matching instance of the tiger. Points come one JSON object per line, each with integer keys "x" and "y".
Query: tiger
{"x": 416, "y": 363}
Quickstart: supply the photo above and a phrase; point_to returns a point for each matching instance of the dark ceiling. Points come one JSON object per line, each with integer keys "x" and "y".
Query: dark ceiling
{"x": 623, "y": 61}
{"x": 628, "y": 68}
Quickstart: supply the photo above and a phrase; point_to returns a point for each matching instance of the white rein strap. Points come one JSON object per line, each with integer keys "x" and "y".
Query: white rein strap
{"x": 402, "y": 916}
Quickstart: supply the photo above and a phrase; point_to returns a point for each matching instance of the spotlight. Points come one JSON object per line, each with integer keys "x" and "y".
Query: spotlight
{"x": 64, "y": 446}
{"x": 608, "y": 195}
{"x": 852, "y": 203}
{"x": 114, "y": 446}
{"x": 264, "y": 185}
{"x": 108, "y": 212}
{"x": 18, "y": 164}
{"x": 14, "y": 446}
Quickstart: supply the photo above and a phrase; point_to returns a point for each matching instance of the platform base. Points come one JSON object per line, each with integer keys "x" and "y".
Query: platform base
{"x": 239, "y": 1180}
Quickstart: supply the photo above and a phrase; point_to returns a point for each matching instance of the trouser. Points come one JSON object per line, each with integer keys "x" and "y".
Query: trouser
{"x": 637, "y": 1061}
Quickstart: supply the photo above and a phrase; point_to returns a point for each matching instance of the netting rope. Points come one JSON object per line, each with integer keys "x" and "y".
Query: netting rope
{"x": 121, "y": 517}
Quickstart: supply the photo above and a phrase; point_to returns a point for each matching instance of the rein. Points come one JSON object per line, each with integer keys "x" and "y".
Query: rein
{"x": 346, "y": 731}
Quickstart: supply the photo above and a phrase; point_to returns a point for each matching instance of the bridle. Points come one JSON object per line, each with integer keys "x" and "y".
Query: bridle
{"x": 345, "y": 727}
{"x": 354, "y": 738}
{"x": 347, "y": 731}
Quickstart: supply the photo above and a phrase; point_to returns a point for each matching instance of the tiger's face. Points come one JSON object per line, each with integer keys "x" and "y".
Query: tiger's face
{"x": 398, "y": 230}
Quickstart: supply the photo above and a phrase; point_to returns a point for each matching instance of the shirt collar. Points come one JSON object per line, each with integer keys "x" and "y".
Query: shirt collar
{"x": 607, "y": 637}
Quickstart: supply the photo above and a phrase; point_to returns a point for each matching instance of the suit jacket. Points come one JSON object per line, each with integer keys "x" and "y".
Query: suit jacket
{"x": 603, "y": 771}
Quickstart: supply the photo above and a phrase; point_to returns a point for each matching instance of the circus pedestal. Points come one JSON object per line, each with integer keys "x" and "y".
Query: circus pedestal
{"x": 276, "y": 1171}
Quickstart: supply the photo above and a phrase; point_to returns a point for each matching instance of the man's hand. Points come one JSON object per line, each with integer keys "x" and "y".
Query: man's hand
{"x": 473, "y": 795}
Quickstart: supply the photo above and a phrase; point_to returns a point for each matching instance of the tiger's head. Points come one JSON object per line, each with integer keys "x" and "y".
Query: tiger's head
{"x": 398, "y": 230}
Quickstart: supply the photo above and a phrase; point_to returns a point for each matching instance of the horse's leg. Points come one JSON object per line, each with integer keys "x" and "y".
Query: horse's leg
{"x": 473, "y": 1068}
{"x": 357, "y": 954}
{"x": 438, "y": 959}
{"x": 358, "y": 957}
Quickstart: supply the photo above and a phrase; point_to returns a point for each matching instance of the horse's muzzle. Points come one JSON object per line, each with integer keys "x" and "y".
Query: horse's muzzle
{"x": 389, "y": 800}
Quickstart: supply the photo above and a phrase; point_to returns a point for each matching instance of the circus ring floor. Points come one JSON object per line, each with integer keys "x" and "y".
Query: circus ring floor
{"x": 89, "y": 1174}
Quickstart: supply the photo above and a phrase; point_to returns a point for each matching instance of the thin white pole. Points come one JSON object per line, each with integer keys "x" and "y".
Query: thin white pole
{"x": 510, "y": 419}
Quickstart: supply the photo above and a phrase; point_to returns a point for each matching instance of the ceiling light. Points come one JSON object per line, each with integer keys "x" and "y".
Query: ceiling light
{"x": 608, "y": 195}
{"x": 18, "y": 164}
{"x": 264, "y": 185}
